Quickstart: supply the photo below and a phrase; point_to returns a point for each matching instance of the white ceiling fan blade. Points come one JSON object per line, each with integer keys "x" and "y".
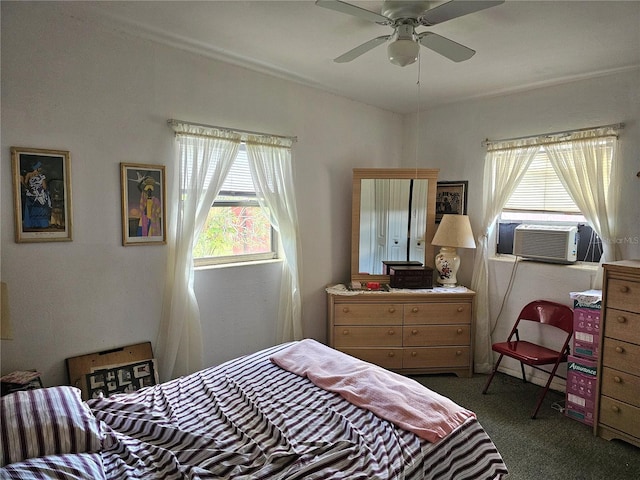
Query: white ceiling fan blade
{"x": 349, "y": 9}
{"x": 445, "y": 47}
{"x": 359, "y": 50}
{"x": 454, "y": 9}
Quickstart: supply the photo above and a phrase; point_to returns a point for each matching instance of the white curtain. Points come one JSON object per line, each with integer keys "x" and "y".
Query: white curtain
{"x": 505, "y": 164}
{"x": 204, "y": 158}
{"x": 585, "y": 165}
{"x": 272, "y": 173}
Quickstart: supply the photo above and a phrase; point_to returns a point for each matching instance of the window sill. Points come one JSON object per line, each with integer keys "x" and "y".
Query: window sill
{"x": 585, "y": 266}
{"x": 237, "y": 264}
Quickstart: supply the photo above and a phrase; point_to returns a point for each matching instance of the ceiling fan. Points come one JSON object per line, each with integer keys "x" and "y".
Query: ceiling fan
{"x": 404, "y": 17}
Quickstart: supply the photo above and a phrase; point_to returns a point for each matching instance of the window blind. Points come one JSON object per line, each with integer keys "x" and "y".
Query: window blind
{"x": 541, "y": 190}
{"x": 239, "y": 180}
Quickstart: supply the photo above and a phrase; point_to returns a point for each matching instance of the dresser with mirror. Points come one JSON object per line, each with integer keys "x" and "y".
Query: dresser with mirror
{"x": 410, "y": 331}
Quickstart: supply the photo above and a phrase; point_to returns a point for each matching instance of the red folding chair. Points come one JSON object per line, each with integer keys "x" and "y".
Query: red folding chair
{"x": 548, "y": 314}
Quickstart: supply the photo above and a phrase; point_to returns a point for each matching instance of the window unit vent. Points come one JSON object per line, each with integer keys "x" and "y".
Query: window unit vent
{"x": 546, "y": 243}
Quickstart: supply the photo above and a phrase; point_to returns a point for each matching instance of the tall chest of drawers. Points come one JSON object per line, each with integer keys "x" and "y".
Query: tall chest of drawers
{"x": 405, "y": 332}
{"x": 618, "y": 399}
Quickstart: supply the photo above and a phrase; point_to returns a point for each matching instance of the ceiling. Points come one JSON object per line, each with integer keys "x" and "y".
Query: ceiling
{"x": 520, "y": 44}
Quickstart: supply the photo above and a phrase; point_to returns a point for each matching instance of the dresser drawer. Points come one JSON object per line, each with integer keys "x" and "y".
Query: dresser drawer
{"x": 356, "y": 336}
{"x": 430, "y": 357}
{"x": 437, "y": 313}
{"x": 621, "y": 356}
{"x": 390, "y": 358}
{"x": 620, "y": 415}
{"x": 622, "y": 325}
{"x": 405, "y": 331}
{"x": 623, "y": 295}
{"x": 621, "y": 385}
{"x": 368, "y": 314}
{"x": 423, "y": 335}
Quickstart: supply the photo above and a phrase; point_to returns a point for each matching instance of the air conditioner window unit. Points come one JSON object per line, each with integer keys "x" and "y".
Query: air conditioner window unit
{"x": 546, "y": 243}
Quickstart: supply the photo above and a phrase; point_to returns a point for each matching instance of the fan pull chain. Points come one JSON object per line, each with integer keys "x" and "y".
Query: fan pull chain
{"x": 418, "y": 113}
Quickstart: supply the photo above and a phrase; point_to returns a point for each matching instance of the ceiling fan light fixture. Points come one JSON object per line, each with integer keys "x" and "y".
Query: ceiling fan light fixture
{"x": 404, "y": 16}
{"x": 403, "y": 52}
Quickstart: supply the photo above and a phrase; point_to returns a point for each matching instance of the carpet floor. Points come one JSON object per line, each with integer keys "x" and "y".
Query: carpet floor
{"x": 551, "y": 447}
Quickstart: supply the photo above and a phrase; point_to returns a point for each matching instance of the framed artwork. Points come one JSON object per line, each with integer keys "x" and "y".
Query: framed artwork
{"x": 144, "y": 217}
{"x": 451, "y": 198}
{"x": 42, "y": 195}
{"x": 123, "y": 378}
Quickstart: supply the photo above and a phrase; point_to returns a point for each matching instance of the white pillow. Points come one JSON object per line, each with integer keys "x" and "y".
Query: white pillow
{"x": 47, "y": 421}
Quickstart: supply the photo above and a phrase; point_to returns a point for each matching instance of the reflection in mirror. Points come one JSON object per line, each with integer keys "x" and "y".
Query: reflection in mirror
{"x": 393, "y": 210}
{"x": 393, "y": 222}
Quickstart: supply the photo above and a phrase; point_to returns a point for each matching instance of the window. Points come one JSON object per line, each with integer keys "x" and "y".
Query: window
{"x": 237, "y": 229}
{"x": 540, "y": 198}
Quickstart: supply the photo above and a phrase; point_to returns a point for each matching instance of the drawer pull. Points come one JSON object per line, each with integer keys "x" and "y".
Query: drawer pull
{"x": 414, "y": 354}
{"x": 391, "y": 332}
{"x": 624, "y": 289}
{"x": 459, "y": 331}
{"x": 392, "y": 310}
{"x": 391, "y": 354}
{"x": 345, "y": 332}
{"x": 619, "y": 349}
{"x": 621, "y": 319}
{"x": 345, "y": 309}
{"x": 458, "y": 353}
{"x": 414, "y": 332}
{"x": 615, "y": 408}
{"x": 617, "y": 379}
{"x": 415, "y": 309}
{"x": 460, "y": 309}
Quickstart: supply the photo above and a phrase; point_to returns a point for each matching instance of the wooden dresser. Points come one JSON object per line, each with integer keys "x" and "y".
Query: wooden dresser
{"x": 406, "y": 332}
{"x": 618, "y": 398}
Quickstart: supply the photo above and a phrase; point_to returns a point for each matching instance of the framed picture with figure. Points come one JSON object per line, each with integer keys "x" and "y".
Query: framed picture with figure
{"x": 144, "y": 216}
{"x": 451, "y": 198}
{"x": 42, "y": 195}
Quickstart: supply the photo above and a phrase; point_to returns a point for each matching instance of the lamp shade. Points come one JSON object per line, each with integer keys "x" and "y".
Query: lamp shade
{"x": 403, "y": 52}
{"x": 454, "y": 231}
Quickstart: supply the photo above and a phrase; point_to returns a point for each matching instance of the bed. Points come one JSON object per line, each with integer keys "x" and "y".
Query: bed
{"x": 254, "y": 418}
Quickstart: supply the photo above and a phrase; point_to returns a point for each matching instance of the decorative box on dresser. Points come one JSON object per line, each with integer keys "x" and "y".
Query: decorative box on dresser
{"x": 405, "y": 332}
{"x": 618, "y": 399}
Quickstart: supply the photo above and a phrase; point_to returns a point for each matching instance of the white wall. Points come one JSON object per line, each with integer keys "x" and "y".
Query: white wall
{"x": 106, "y": 97}
{"x": 451, "y": 136}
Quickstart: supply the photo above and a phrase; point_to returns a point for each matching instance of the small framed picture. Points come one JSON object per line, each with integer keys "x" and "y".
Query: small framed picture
{"x": 451, "y": 198}
{"x": 144, "y": 216}
{"x": 42, "y": 195}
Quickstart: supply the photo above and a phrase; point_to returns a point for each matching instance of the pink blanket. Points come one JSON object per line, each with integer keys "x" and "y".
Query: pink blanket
{"x": 398, "y": 399}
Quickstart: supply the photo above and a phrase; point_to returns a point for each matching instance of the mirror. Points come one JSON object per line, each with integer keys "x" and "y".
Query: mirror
{"x": 393, "y": 219}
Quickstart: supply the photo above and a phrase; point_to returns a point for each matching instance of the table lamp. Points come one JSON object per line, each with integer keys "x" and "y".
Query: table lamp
{"x": 453, "y": 232}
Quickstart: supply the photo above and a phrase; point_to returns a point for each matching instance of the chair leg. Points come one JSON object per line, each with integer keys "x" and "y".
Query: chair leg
{"x": 524, "y": 378}
{"x": 493, "y": 373}
{"x": 544, "y": 391}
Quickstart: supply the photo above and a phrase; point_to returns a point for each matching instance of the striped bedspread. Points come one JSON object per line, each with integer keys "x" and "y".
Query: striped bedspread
{"x": 250, "y": 419}
{"x": 394, "y": 397}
